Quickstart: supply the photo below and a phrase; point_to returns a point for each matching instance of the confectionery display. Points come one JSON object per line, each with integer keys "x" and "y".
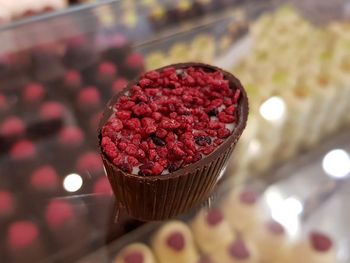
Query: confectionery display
{"x": 125, "y": 135}
{"x": 166, "y": 131}
{"x": 305, "y": 88}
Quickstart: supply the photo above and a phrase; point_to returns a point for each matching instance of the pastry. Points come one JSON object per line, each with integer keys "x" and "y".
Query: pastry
{"x": 174, "y": 243}
{"x": 211, "y": 230}
{"x": 149, "y": 146}
{"x": 241, "y": 210}
{"x": 135, "y": 253}
{"x": 271, "y": 241}
{"x": 238, "y": 251}
{"x": 317, "y": 248}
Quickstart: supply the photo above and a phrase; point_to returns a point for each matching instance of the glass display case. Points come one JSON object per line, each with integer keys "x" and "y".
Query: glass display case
{"x": 57, "y": 71}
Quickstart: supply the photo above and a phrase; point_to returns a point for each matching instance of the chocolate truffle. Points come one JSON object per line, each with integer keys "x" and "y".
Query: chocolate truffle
{"x": 102, "y": 186}
{"x": 210, "y": 230}
{"x": 7, "y": 206}
{"x": 23, "y": 150}
{"x": 118, "y": 85}
{"x": 80, "y": 53}
{"x": 68, "y": 227}
{"x": 135, "y": 253}
{"x": 24, "y": 242}
{"x": 89, "y": 163}
{"x": 11, "y": 129}
{"x": 45, "y": 180}
{"x": 174, "y": 243}
{"x": 72, "y": 81}
{"x": 33, "y": 94}
{"x": 117, "y": 48}
{"x": 88, "y": 100}
{"x": 106, "y": 73}
{"x": 167, "y": 130}
{"x": 133, "y": 65}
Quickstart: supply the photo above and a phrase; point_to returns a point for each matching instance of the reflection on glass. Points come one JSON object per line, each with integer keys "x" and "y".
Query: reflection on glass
{"x": 273, "y": 109}
{"x": 72, "y": 182}
{"x": 336, "y": 163}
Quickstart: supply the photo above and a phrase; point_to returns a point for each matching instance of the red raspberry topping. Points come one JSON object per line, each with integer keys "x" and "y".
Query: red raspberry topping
{"x": 33, "y": 93}
{"x": 134, "y": 257}
{"x": 176, "y": 241}
{"x": 320, "y": 242}
{"x": 170, "y": 119}
{"x": 239, "y": 250}
{"x": 275, "y": 227}
{"x": 21, "y": 234}
{"x": 214, "y": 217}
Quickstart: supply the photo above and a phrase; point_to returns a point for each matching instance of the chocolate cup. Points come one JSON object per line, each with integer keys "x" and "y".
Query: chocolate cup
{"x": 164, "y": 196}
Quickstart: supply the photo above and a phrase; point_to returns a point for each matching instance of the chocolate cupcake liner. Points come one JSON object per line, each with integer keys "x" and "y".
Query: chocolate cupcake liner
{"x": 165, "y": 196}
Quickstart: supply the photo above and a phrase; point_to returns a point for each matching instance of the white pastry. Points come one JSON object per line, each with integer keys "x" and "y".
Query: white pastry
{"x": 135, "y": 253}
{"x": 241, "y": 210}
{"x": 211, "y": 230}
{"x": 238, "y": 251}
{"x": 317, "y": 248}
{"x": 271, "y": 241}
{"x": 173, "y": 243}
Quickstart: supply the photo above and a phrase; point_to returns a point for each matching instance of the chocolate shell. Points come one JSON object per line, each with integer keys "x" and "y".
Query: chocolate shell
{"x": 165, "y": 196}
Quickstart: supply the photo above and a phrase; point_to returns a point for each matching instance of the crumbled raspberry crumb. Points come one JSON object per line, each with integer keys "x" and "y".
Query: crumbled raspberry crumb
{"x": 170, "y": 119}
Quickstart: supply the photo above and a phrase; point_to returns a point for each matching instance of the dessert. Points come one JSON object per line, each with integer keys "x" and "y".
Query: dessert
{"x": 80, "y": 53}
{"x": 4, "y": 107}
{"x": 102, "y": 187}
{"x": 317, "y": 248}
{"x": 11, "y": 129}
{"x": 7, "y": 206}
{"x": 67, "y": 226}
{"x": 135, "y": 253}
{"x": 23, "y": 158}
{"x": 271, "y": 241}
{"x": 174, "y": 243}
{"x": 52, "y": 115}
{"x": 133, "y": 65}
{"x": 44, "y": 181}
{"x": 70, "y": 143}
{"x": 211, "y": 230}
{"x": 24, "y": 243}
{"x": 241, "y": 210}
{"x": 46, "y": 64}
{"x": 33, "y": 94}
{"x": 171, "y": 148}
{"x": 88, "y": 100}
{"x": 89, "y": 163}
{"x": 238, "y": 251}
{"x": 117, "y": 48}
{"x": 72, "y": 81}
{"x": 106, "y": 73}
{"x": 118, "y": 85}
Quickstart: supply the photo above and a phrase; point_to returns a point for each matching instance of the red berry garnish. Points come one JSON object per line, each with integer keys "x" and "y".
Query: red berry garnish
{"x": 169, "y": 119}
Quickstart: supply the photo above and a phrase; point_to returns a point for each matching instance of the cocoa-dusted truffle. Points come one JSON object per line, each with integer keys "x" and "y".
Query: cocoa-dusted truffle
{"x": 89, "y": 162}
{"x": 172, "y": 125}
{"x": 23, "y": 150}
{"x": 133, "y": 65}
{"x": 102, "y": 186}
{"x": 71, "y": 137}
{"x": 44, "y": 179}
{"x": 11, "y": 129}
{"x": 52, "y": 110}
{"x": 89, "y": 99}
{"x": 72, "y": 81}
{"x": 118, "y": 85}
{"x": 24, "y": 242}
{"x": 33, "y": 93}
{"x": 7, "y": 205}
